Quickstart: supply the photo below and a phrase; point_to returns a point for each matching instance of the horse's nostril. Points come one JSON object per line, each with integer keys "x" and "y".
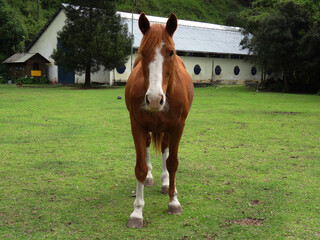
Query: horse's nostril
{"x": 161, "y": 100}
{"x": 147, "y": 100}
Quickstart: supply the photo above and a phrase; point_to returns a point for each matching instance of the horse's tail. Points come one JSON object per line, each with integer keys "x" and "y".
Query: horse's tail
{"x": 157, "y": 142}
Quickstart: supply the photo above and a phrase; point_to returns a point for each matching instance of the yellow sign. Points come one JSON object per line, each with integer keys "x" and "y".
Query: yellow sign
{"x": 35, "y": 73}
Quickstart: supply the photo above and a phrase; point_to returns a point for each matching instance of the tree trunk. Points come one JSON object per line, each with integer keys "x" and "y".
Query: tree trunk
{"x": 286, "y": 84}
{"x": 38, "y": 9}
{"x": 87, "y": 80}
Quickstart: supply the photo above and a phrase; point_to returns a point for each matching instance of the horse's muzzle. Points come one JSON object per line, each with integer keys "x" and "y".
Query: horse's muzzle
{"x": 155, "y": 103}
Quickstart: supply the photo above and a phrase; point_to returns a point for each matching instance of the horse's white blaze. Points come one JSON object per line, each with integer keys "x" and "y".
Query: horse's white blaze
{"x": 149, "y": 175}
{"x": 139, "y": 202}
{"x": 155, "y": 75}
{"x": 165, "y": 173}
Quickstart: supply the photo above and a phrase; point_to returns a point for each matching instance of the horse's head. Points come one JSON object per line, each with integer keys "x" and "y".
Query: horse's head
{"x": 157, "y": 55}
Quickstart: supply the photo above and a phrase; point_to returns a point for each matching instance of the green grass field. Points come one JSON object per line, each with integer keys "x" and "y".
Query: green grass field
{"x": 249, "y": 167}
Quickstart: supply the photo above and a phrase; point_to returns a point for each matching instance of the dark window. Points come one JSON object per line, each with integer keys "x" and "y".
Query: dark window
{"x": 197, "y": 69}
{"x": 236, "y": 70}
{"x": 121, "y": 70}
{"x": 36, "y": 66}
{"x": 269, "y": 72}
{"x": 217, "y": 70}
{"x": 253, "y": 71}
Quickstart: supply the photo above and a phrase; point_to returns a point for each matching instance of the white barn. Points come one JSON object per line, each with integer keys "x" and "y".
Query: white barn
{"x": 211, "y": 52}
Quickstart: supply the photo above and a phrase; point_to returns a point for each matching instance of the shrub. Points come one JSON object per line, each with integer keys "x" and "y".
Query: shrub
{"x": 31, "y": 80}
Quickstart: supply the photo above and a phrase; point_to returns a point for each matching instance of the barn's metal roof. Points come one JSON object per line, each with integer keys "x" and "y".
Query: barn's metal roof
{"x": 193, "y": 36}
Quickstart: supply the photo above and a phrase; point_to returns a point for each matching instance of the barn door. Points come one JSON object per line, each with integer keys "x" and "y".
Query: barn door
{"x": 64, "y": 77}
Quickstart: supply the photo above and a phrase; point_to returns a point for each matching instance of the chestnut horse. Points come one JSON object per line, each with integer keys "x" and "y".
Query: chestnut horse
{"x": 159, "y": 95}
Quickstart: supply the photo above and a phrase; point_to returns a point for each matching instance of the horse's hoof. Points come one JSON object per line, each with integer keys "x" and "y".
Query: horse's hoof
{"x": 175, "y": 210}
{"x": 148, "y": 182}
{"x": 135, "y": 223}
{"x": 164, "y": 189}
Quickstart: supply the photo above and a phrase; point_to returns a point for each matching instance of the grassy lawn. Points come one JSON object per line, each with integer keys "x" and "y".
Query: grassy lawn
{"x": 249, "y": 167}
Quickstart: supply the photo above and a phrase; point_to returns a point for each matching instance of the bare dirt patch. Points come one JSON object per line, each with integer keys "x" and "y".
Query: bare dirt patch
{"x": 285, "y": 113}
{"x": 255, "y": 202}
{"x": 247, "y": 222}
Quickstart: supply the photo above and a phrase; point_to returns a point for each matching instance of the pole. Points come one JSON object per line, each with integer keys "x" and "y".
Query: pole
{"x": 133, "y": 40}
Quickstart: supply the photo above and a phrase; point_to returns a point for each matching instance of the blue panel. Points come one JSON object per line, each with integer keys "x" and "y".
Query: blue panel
{"x": 65, "y": 77}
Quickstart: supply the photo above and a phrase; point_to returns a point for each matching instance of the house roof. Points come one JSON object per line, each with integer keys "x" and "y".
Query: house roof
{"x": 192, "y": 36}
{"x": 23, "y": 57}
{"x": 43, "y": 29}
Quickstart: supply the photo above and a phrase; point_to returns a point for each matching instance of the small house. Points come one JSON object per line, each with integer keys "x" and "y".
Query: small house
{"x": 27, "y": 64}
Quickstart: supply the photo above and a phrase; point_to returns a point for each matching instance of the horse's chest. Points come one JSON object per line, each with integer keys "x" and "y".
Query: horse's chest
{"x": 158, "y": 122}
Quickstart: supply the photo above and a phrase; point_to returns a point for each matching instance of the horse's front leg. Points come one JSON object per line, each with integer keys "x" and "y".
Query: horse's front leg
{"x": 141, "y": 170}
{"x": 149, "y": 180}
{"x": 165, "y": 173}
{"x": 174, "y": 206}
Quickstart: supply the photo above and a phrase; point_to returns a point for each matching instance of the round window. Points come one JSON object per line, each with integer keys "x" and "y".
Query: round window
{"x": 217, "y": 70}
{"x": 121, "y": 70}
{"x": 269, "y": 72}
{"x": 236, "y": 70}
{"x": 253, "y": 71}
{"x": 197, "y": 69}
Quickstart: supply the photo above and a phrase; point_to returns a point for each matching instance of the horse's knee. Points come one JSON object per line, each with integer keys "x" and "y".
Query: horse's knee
{"x": 141, "y": 173}
{"x": 148, "y": 142}
{"x": 172, "y": 165}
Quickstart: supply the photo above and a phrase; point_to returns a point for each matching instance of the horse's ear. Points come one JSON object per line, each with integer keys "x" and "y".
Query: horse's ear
{"x": 144, "y": 23}
{"x": 172, "y": 24}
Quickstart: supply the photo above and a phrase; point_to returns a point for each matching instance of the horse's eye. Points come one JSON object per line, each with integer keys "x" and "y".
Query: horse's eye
{"x": 171, "y": 53}
{"x": 142, "y": 54}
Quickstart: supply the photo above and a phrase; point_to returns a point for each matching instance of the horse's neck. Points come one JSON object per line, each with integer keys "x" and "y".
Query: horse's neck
{"x": 136, "y": 62}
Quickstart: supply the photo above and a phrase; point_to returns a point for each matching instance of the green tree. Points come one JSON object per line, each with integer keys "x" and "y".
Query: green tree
{"x": 93, "y": 37}
{"x": 281, "y": 33}
{"x": 12, "y": 36}
{"x": 12, "y": 31}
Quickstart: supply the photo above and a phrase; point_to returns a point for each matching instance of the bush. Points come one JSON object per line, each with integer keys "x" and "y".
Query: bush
{"x": 3, "y": 80}
{"x": 31, "y": 80}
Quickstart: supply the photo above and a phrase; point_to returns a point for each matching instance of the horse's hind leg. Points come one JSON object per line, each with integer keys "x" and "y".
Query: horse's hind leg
{"x": 149, "y": 180}
{"x": 165, "y": 173}
{"x": 174, "y": 206}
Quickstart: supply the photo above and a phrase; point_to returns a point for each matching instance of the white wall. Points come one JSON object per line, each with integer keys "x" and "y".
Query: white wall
{"x": 47, "y": 42}
{"x": 207, "y": 72}
{"x": 205, "y": 65}
{"x": 227, "y": 71}
{"x": 98, "y": 77}
{"x": 117, "y": 77}
{"x": 227, "y": 65}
